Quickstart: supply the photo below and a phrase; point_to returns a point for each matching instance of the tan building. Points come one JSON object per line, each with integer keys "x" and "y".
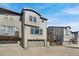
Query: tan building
{"x": 34, "y": 32}
{"x": 10, "y": 26}
{"x": 58, "y": 35}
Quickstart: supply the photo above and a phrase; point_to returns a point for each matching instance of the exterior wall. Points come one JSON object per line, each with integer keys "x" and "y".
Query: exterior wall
{"x": 27, "y": 29}
{"x": 78, "y": 37}
{"x": 61, "y": 34}
{"x": 67, "y": 36}
{"x": 27, "y": 14}
{"x": 50, "y": 34}
{"x": 11, "y": 20}
{"x": 75, "y": 37}
{"x": 55, "y": 33}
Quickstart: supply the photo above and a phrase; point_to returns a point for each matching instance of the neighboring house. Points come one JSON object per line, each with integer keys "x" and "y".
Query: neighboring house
{"x": 10, "y": 26}
{"x": 75, "y": 37}
{"x": 33, "y": 29}
{"x": 58, "y": 35}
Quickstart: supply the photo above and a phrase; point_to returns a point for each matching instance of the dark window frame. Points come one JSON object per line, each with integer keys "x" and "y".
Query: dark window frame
{"x": 32, "y": 30}
{"x": 34, "y": 19}
{"x": 41, "y": 31}
{"x": 37, "y": 31}
{"x": 30, "y": 18}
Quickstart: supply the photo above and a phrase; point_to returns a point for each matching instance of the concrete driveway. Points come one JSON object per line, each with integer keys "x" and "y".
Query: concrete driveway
{"x": 39, "y": 51}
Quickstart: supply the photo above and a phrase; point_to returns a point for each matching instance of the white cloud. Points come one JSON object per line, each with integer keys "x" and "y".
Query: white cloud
{"x": 72, "y": 11}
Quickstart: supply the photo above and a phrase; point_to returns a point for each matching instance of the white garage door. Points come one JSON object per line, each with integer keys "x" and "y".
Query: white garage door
{"x": 35, "y": 43}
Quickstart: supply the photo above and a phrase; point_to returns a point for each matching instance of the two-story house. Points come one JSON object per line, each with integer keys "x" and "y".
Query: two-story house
{"x": 34, "y": 32}
{"x": 58, "y": 35}
{"x": 10, "y": 26}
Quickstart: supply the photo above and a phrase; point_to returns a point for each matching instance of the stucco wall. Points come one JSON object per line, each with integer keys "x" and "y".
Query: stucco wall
{"x": 12, "y": 20}
{"x": 27, "y": 14}
{"x": 39, "y": 23}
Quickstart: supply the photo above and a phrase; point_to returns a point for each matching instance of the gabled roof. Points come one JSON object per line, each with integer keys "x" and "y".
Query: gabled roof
{"x": 3, "y": 11}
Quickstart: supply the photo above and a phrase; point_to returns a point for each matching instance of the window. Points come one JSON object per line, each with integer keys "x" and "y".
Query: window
{"x": 2, "y": 29}
{"x": 34, "y": 19}
{"x": 32, "y": 31}
{"x": 7, "y": 30}
{"x": 40, "y": 31}
{"x": 10, "y": 30}
{"x": 30, "y": 18}
{"x": 37, "y": 31}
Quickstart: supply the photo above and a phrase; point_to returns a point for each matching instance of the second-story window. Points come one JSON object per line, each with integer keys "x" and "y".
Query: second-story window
{"x": 32, "y": 31}
{"x": 7, "y": 30}
{"x": 10, "y": 30}
{"x": 40, "y": 31}
{"x": 2, "y": 30}
{"x": 36, "y": 31}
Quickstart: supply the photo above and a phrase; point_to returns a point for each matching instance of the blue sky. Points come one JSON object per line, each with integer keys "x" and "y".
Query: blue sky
{"x": 57, "y": 14}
